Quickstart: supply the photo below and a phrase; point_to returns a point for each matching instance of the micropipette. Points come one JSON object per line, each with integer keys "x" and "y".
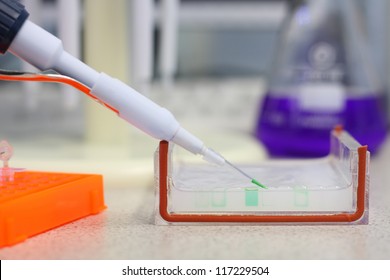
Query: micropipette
{"x": 43, "y": 50}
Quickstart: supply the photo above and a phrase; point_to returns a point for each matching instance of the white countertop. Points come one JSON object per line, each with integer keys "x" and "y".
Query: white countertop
{"x": 126, "y": 230}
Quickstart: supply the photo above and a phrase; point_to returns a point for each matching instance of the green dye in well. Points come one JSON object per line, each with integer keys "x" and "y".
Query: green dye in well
{"x": 251, "y": 197}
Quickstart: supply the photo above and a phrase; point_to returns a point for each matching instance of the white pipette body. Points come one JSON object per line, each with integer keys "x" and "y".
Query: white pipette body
{"x": 45, "y": 51}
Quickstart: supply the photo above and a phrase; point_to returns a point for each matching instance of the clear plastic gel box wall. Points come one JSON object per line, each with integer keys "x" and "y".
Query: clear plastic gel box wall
{"x": 329, "y": 190}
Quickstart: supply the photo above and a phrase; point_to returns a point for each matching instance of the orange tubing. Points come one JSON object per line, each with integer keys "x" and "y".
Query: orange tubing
{"x": 53, "y": 78}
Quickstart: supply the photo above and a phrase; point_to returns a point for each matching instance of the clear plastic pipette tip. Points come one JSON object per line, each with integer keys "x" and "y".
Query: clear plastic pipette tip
{"x": 214, "y": 157}
{"x": 253, "y": 181}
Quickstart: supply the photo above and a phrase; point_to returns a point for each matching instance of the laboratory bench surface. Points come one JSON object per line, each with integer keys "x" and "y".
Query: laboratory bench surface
{"x": 126, "y": 230}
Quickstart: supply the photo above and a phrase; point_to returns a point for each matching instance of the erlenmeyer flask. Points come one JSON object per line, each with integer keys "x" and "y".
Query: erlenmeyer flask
{"x": 322, "y": 77}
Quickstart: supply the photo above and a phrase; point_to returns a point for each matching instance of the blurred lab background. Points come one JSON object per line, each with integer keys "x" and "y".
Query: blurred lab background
{"x": 209, "y": 62}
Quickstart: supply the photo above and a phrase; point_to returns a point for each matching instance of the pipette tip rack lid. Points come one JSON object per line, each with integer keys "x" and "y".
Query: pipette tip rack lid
{"x": 35, "y": 202}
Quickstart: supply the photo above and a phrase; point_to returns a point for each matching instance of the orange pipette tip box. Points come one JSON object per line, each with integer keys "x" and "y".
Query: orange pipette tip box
{"x": 35, "y": 202}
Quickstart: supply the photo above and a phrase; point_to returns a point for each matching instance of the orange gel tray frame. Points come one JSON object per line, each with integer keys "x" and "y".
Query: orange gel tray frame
{"x": 35, "y": 202}
{"x": 359, "y": 216}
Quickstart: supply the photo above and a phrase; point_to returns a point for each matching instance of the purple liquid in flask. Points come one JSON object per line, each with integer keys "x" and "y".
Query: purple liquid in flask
{"x": 286, "y": 130}
{"x": 323, "y": 76}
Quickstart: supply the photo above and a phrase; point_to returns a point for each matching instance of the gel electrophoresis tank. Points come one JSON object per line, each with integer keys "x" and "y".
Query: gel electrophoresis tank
{"x": 331, "y": 190}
